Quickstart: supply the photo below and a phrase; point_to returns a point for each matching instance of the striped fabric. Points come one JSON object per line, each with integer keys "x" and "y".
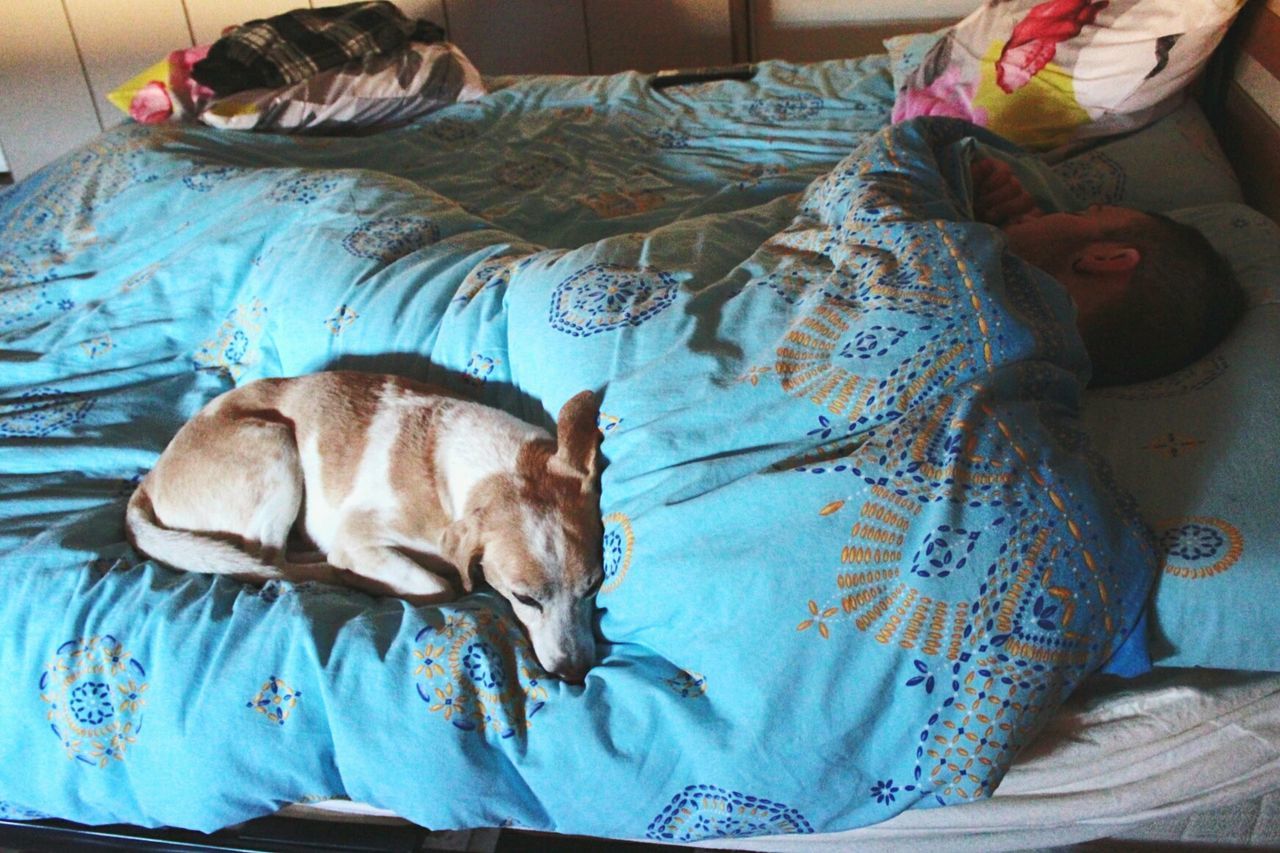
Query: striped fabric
{"x": 286, "y": 49}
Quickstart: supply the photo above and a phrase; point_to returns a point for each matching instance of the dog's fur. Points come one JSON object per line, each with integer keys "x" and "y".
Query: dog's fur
{"x": 399, "y": 486}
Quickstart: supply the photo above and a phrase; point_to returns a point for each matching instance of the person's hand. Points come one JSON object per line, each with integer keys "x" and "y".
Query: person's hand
{"x": 998, "y": 197}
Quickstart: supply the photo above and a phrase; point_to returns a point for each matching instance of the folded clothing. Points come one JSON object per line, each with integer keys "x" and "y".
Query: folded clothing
{"x": 288, "y": 48}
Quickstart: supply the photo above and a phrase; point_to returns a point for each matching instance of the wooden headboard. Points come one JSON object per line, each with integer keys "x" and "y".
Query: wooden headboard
{"x": 1244, "y": 103}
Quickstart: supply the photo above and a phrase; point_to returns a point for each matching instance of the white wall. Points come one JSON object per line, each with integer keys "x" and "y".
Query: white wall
{"x": 807, "y": 30}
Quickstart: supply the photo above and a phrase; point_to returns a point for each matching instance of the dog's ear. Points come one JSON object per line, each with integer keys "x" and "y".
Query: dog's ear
{"x": 578, "y": 437}
{"x": 461, "y": 546}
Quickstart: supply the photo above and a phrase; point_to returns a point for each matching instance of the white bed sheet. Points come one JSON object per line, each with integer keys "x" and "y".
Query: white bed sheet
{"x": 1152, "y": 758}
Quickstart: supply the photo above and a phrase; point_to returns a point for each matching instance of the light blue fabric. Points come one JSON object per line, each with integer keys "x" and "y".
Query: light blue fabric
{"x": 856, "y": 546}
{"x": 1200, "y": 450}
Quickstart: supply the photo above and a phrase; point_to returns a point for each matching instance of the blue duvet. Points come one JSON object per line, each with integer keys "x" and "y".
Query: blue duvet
{"x": 856, "y": 547}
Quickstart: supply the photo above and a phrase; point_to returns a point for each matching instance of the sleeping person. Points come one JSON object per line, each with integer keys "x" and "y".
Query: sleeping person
{"x": 1151, "y": 294}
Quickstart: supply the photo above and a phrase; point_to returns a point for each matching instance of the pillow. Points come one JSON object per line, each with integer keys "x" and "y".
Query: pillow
{"x": 379, "y": 90}
{"x": 1047, "y": 73}
{"x": 1134, "y": 170}
{"x": 164, "y": 91}
{"x": 1199, "y": 450}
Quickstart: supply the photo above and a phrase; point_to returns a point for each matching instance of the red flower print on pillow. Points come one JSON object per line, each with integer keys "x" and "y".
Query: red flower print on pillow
{"x": 1035, "y": 39}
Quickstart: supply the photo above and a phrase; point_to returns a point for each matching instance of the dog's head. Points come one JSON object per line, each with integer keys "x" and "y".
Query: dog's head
{"x": 534, "y": 536}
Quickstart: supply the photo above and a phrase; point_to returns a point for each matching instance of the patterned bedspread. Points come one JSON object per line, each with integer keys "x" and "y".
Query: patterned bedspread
{"x": 856, "y": 547}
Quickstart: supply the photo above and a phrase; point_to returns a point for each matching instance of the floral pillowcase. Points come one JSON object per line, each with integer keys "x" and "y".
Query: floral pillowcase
{"x": 1048, "y": 73}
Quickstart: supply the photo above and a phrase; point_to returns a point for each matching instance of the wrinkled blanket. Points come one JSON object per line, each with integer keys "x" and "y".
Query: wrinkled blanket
{"x": 856, "y": 546}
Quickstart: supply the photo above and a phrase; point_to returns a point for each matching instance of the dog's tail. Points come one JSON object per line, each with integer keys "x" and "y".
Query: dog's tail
{"x": 190, "y": 550}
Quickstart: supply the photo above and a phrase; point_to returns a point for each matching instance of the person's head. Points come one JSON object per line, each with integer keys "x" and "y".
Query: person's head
{"x": 1151, "y": 295}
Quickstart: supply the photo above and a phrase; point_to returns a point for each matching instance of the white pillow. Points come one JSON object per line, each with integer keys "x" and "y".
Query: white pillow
{"x": 1047, "y": 73}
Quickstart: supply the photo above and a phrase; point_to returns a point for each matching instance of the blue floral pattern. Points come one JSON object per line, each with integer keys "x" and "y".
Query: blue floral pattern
{"x": 619, "y": 545}
{"x": 387, "y": 240}
{"x": 95, "y": 693}
{"x": 787, "y": 108}
{"x": 603, "y": 297}
{"x": 530, "y": 171}
{"x": 275, "y": 700}
{"x": 43, "y": 411}
{"x": 1199, "y": 547}
{"x": 702, "y": 812}
{"x": 303, "y": 189}
{"x": 475, "y": 672}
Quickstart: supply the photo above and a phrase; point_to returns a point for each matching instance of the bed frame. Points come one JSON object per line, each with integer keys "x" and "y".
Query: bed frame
{"x": 1240, "y": 95}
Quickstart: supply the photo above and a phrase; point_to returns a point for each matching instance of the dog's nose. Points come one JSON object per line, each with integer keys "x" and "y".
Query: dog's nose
{"x": 572, "y": 674}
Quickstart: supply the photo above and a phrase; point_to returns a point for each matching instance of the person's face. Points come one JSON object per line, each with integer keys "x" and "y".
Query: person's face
{"x": 1074, "y": 248}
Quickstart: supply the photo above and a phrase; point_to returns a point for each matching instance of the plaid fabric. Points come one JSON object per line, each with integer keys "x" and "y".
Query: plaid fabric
{"x": 279, "y": 51}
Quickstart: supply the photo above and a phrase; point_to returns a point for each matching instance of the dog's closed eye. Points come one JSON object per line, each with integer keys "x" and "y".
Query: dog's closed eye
{"x": 527, "y": 600}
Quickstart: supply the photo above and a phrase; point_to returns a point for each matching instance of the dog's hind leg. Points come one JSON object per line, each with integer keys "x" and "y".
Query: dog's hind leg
{"x": 233, "y": 480}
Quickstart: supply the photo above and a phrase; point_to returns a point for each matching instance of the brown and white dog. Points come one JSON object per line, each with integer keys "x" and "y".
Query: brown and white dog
{"x": 399, "y": 485}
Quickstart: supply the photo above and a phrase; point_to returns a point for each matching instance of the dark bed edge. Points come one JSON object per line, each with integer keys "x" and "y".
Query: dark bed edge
{"x": 268, "y": 833}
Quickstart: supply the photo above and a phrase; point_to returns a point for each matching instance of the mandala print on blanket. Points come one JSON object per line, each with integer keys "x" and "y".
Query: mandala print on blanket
{"x": 818, "y": 361}
{"x": 26, "y": 306}
{"x": 387, "y": 240}
{"x": 529, "y": 172}
{"x": 95, "y": 692}
{"x": 42, "y": 411}
{"x": 203, "y": 179}
{"x": 492, "y": 273}
{"x": 474, "y": 670}
{"x": 305, "y": 188}
{"x": 688, "y": 685}
{"x": 603, "y": 297}
{"x": 618, "y": 546}
{"x": 234, "y": 347}
{"x": 786, "y": 108}
{"x": 341, "y": 318}
{"x": 480, "y": 369}
{"x": 275, "y": 700}
{"x": 1093, "y": 178}
{"x": 1199, "y": 547}
{"x": 701, "y": 812}
{"x": 13, "y": 811}
{"x": 999, "y": 654}
{"x": 897, "y": 354}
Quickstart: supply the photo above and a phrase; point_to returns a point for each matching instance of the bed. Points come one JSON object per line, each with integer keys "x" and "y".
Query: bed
{"x": 854, "y": 564}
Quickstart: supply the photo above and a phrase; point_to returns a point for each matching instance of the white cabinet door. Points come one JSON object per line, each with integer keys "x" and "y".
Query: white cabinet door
{"x": 45, "y": 107}
{"x": 808, "y": 30}
{"x": 119, "y": 38}
{"x": 210, "y": 17}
